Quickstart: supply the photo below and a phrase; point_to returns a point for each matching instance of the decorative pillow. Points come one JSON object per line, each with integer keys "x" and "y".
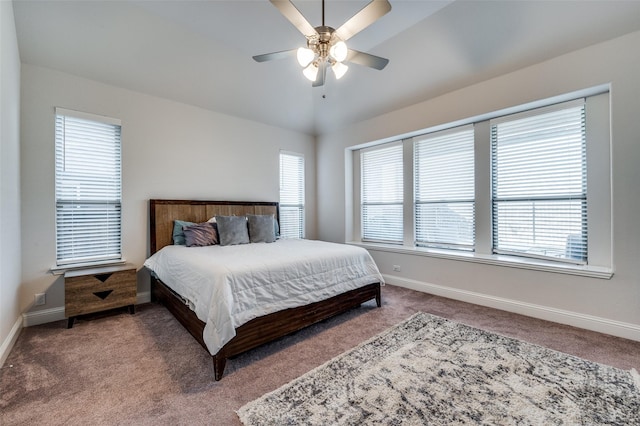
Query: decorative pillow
{"x": 200, "y": 234}
{"x": 261, "y": 228}
{"x": 232, "y": 230}
{"x": 178, "y": 233}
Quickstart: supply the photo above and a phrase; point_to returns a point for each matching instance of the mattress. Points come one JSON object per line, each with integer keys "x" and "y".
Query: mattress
{"x": 227, "y": 286}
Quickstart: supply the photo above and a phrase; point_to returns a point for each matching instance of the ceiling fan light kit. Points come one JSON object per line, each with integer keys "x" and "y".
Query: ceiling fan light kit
{"x": 325, "y": 45}
{"x": 305, "y": 56}
{"x": 311, "y": 72}
{"x": 338, "y": 51}
{"x": 339, "y": 69}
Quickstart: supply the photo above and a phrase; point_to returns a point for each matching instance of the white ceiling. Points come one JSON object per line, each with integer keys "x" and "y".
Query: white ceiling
{"x": 199, "y": 52}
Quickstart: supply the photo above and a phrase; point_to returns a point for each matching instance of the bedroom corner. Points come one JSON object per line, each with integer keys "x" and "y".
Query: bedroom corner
{"x": 10, "y": 244}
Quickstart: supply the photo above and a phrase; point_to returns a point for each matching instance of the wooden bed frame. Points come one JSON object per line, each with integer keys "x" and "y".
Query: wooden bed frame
{"x": 259, "y": 330}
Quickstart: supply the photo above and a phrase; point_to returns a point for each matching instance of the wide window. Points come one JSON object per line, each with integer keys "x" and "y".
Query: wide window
{"x": 526, "y": 187}
{"x": 291, "y": 195}
{"x": 382, "y": 194}
{"x": 539, "y": 183}
{"x": 88, "y": 188}
{"x": 444, "y": 189}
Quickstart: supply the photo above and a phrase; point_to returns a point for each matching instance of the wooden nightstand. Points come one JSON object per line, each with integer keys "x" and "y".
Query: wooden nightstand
{"x": 98, "y": 289}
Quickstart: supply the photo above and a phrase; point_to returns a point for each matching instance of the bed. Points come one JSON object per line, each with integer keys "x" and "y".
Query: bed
{"x": 253, "y": 328}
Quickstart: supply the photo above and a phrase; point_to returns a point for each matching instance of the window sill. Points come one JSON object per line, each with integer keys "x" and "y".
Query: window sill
{"x": 498, "y": 260}
{"x": 60, "y": 270}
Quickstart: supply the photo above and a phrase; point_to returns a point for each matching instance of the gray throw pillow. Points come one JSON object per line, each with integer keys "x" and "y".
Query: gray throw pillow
{"x": 232, "y": 230}
{"x": 261, "y": 228}
{"x": 201, "y": 234}
{"x": 178, "y": 232}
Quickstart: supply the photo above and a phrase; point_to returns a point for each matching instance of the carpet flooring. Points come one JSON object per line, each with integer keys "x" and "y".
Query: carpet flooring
{"x": 146, "y": 369}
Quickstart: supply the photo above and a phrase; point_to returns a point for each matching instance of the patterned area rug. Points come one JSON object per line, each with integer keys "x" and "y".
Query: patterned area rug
{"x": 429, "y": 370}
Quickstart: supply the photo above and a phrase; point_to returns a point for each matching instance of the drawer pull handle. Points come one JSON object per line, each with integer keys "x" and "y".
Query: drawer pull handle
{"x": 103, "y": 294}
{"x": 102, "y": 277}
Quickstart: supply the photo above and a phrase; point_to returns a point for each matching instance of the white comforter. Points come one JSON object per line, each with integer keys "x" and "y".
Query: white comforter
{"x": 229, "y": 286}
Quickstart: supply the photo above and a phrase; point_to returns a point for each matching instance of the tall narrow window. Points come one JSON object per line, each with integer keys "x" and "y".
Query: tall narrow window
{"x": 291, "y": 195}
{"x": 88, "y": 188}
{"x": 382, "y": 199}
{"x": 444, "y": 189}
{"x": 539, "y": 183}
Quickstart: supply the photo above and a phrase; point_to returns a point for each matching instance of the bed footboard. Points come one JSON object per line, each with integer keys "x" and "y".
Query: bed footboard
{"x": 267, "y": 328}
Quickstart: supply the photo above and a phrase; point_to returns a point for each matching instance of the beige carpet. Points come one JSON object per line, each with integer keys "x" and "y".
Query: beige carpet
{"x": 146, "y": 369}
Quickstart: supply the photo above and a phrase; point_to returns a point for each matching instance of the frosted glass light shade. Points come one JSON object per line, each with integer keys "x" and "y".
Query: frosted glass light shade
{"x": 305, "y": 56}
{"x": 311, "y": 72}
{"x": 339, "y": 51}
{"x": 339, "y": 69}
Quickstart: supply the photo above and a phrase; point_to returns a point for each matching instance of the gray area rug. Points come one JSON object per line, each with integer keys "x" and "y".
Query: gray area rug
{"x": 429, "y": 370}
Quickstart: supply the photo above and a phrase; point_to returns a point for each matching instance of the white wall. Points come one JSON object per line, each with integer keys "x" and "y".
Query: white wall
{"x": 606, "y": 305}
{"x": 9, "y": 180}
{"x": 169, "y": 150}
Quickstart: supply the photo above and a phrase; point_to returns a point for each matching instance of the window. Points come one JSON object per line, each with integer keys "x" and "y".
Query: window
{"x": 88, "y": 188}
{"x": 527, "y": 187}
{"x": 444, "y": 189}
{"x": 539, "y": 183}
{"x": 291, "y": 195}
{"x": 382, "y": 194}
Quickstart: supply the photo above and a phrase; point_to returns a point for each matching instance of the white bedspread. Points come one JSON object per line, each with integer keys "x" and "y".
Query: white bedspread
{"x": 229, "y": 286}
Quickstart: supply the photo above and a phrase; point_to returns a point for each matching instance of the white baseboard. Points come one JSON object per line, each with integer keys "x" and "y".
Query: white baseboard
{"x": 8, "y": 343}
{"x": 56, "y": 314}
{"x": 43, "y": 316}
{"x": 588, "y": 322}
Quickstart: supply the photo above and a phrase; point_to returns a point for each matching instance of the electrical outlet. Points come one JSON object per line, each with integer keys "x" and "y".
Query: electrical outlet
{"x": 396, "y": 268}
{"x": 41, "y": 299}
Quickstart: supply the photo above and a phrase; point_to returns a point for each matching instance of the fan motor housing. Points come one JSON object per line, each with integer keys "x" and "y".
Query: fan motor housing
{"x": 323, "y": 41}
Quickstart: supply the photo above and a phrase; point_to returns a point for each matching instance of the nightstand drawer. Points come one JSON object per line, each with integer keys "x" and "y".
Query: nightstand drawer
{"x": 99, "y": 290}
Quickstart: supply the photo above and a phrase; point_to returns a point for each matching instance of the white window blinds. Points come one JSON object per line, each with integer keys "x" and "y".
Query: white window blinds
{"x": 291, "y": 195}
{"x": 88, "y": 188}
{"x": 382, "y": 199}
{"x": 539, "y": 183}
{"x": 444, "y": 189}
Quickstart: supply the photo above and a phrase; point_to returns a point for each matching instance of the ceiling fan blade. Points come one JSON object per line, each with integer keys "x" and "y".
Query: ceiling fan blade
{"x": 322, "y": 73}
{"x": 361, "y": 20}
{"x": 295, "y": 17}
{"x": 366, "y": 59}
{"x": 275, "y": 55}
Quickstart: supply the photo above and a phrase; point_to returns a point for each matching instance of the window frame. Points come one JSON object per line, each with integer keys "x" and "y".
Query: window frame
{"x": 599, "y": 183}
{"x": 552, "y": 194}
{"x": 300, "y": 205}
{"x": 114, "y": 256}
{"x": 425, "y": 138}
{"x": 363, "y": 205}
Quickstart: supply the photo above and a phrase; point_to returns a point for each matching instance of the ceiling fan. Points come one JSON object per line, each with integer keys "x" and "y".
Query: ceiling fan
{"x": 326, "y": 46}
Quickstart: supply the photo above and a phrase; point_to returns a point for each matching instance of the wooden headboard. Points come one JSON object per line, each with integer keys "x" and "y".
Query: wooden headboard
{"x": 162, "y": 213}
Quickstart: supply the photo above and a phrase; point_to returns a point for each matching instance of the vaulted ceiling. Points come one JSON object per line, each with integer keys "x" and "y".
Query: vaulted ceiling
{"x": 199, "y": 52}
